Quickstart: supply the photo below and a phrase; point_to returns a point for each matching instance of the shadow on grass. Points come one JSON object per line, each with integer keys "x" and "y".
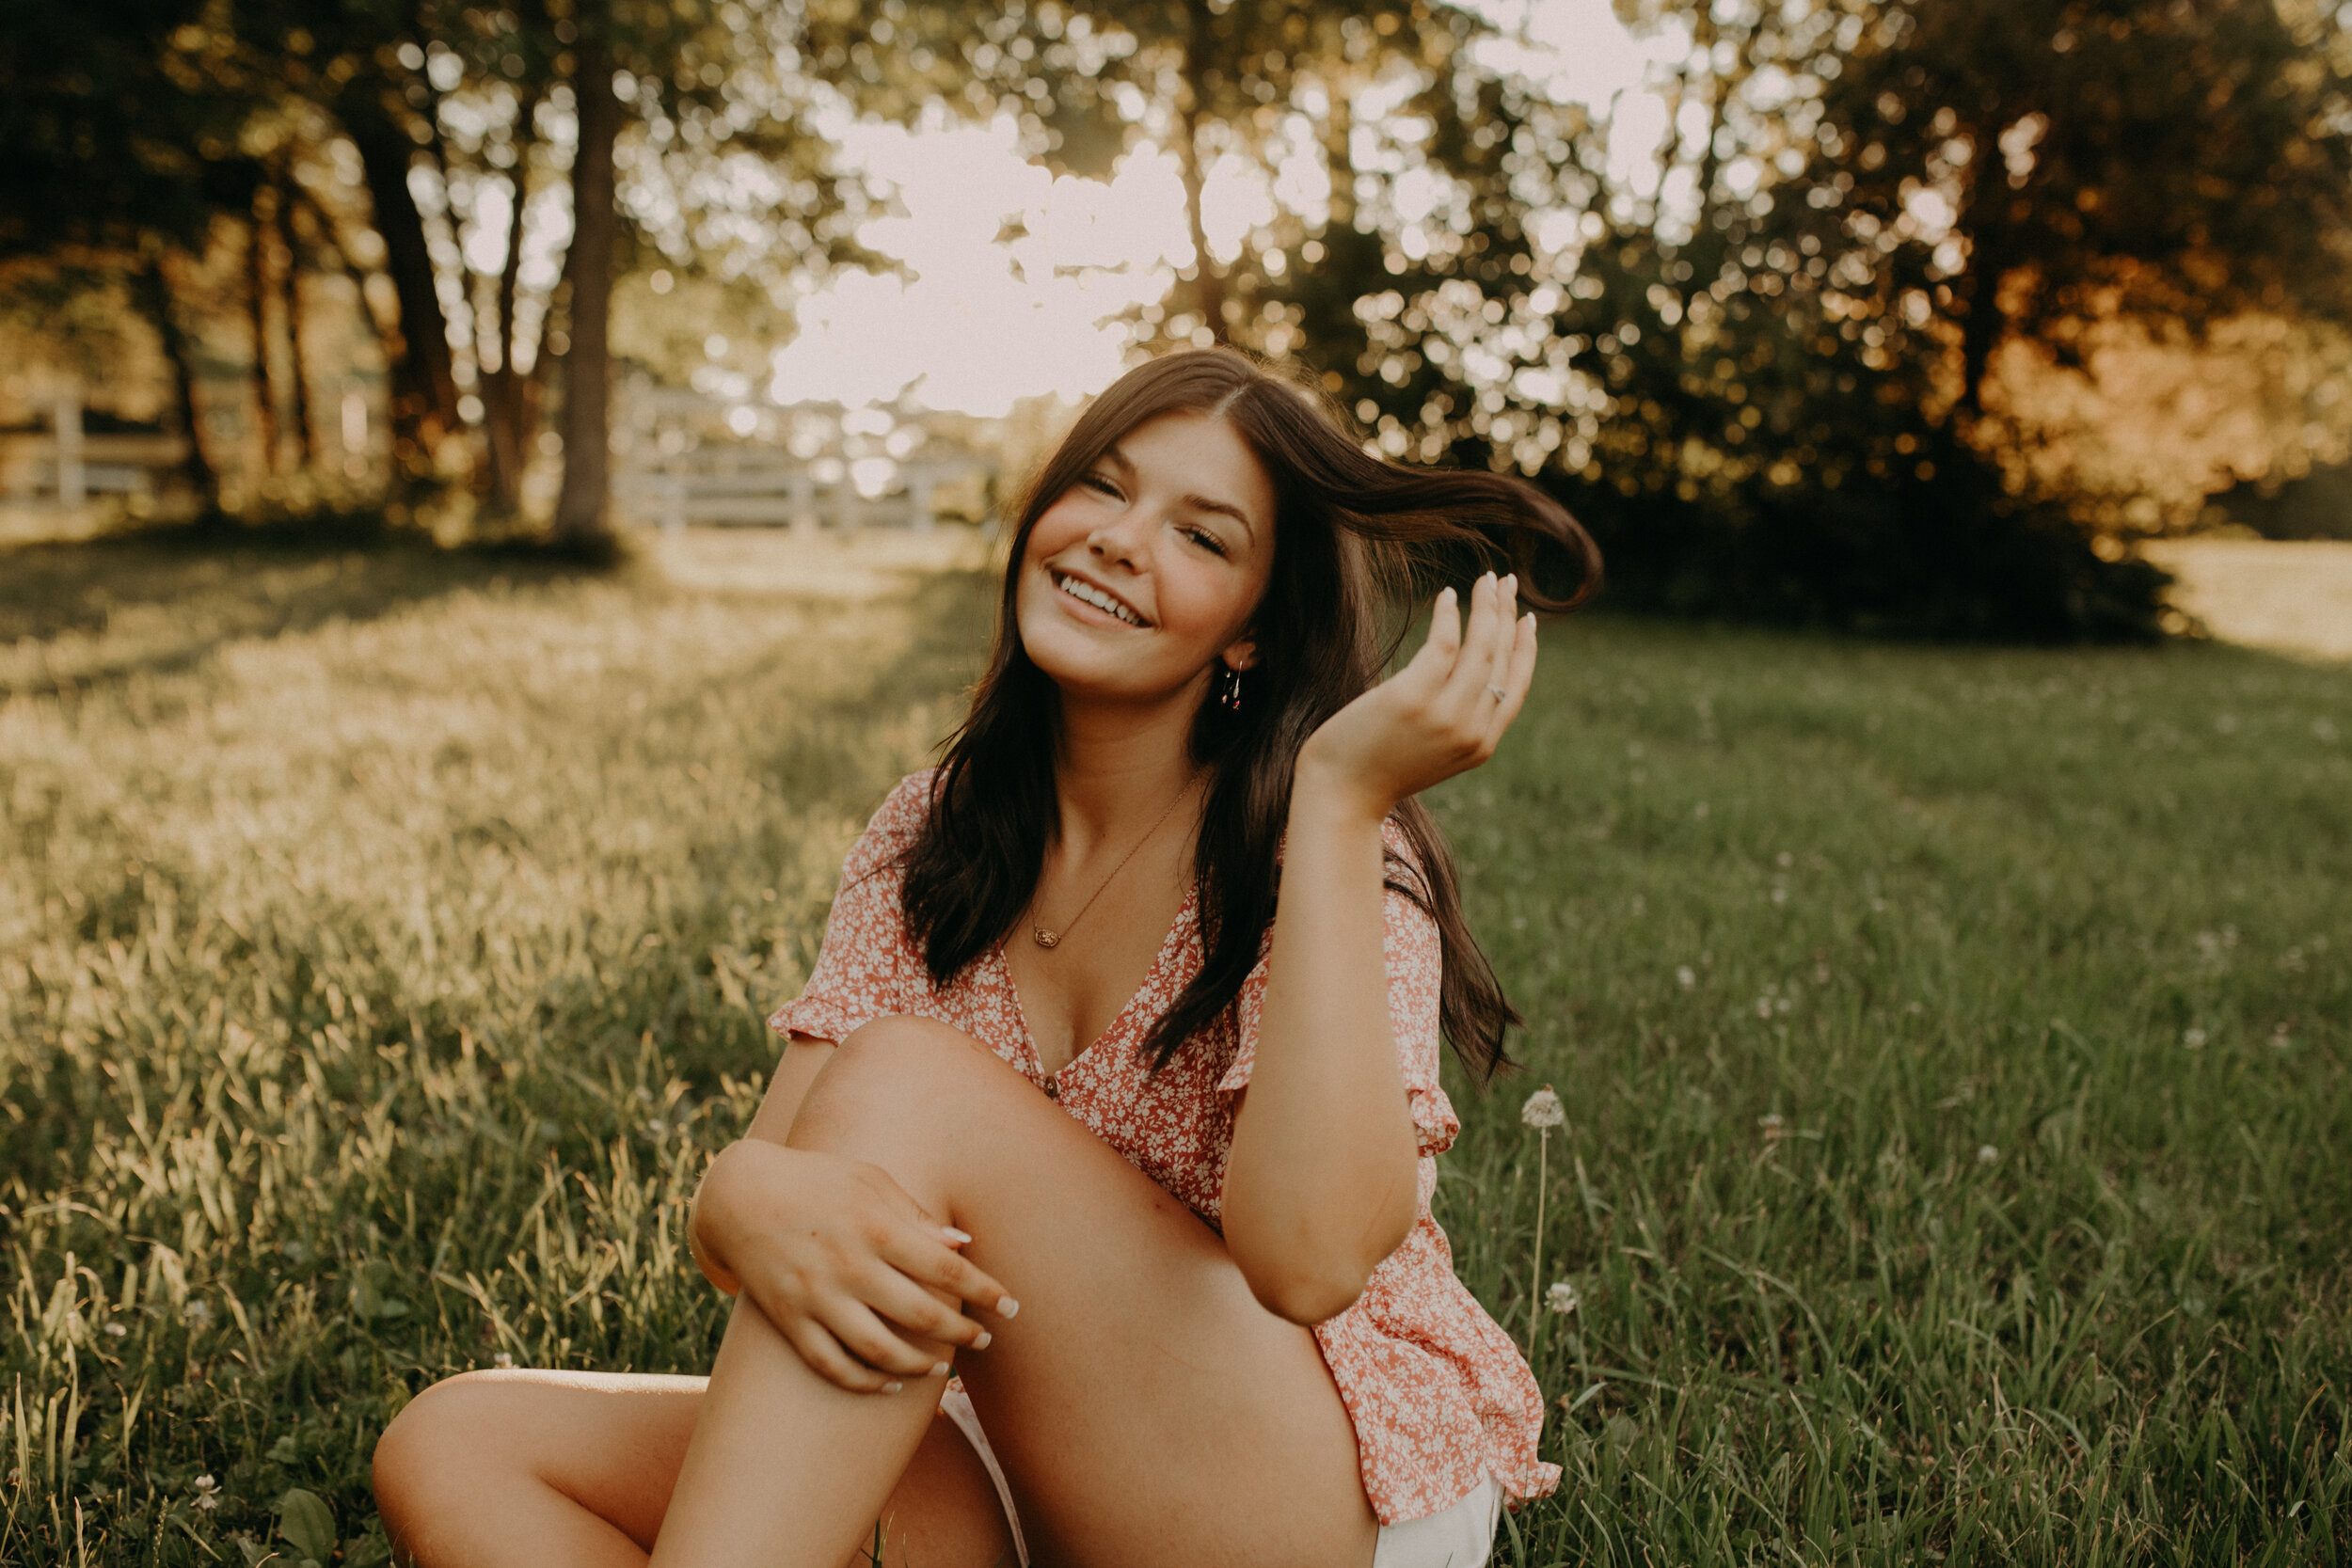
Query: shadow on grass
{"x": 161, "y": 600}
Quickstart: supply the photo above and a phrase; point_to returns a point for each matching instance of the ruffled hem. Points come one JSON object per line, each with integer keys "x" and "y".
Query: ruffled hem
{"x": 822, "y": 1018}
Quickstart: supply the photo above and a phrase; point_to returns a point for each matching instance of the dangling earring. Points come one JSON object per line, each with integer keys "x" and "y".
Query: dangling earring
{"x": 1229, "y": 689}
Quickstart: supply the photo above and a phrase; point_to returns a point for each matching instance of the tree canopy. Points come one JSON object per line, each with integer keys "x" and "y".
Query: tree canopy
{"x": 1761, "y": 318}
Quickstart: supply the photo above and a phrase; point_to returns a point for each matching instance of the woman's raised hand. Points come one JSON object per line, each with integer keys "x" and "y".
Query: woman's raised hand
{"x": 1442, "y": 714}
{"x": 846, "y": 1265}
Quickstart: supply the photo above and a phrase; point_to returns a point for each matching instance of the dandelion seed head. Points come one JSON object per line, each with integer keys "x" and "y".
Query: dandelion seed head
{"x": 1543, "y": 1110}
{"x": 198, "y": 1311}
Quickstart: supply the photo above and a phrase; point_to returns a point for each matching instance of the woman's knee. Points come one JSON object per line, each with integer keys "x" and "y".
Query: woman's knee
{"x": 893, "y": 1065}
{"x": 445, "y": 1436}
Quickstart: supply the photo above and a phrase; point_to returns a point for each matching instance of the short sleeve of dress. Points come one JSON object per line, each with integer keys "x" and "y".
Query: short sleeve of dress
{"x": 865, "y": 966}
{"x": 1410, "y": 949}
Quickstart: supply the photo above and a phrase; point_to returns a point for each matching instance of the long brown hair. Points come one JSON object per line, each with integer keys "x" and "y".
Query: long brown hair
{"x": 1356, "y": 543}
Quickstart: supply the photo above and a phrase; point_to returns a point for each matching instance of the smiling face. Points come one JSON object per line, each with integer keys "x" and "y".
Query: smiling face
{"x": 1146, "y": 572}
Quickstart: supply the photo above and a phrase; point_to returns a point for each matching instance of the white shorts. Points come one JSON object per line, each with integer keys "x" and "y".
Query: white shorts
{"x": 1461, "y": 1536}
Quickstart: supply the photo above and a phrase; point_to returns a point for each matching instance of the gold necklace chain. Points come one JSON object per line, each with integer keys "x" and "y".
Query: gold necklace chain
{"x": 1047, "y": 938}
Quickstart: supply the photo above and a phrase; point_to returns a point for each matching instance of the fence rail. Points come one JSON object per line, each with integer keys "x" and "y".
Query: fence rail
{"x": 792, "y": 495}
{"x": 67, "y": 466}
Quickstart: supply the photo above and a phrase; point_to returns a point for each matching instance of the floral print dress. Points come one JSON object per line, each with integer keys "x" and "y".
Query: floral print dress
{"x": 1439, "y": 1394}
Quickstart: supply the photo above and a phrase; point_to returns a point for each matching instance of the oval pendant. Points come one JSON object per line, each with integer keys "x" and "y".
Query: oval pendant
{"x": 1044, "y": 938}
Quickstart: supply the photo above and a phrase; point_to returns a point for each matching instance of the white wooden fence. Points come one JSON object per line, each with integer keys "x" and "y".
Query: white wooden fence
{"x": 65, "y": 466}
{"x": 714, "y": 490}
{"x": 690, "y": 458}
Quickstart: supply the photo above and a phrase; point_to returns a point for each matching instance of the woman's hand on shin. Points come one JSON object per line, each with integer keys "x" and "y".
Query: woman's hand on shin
{"x": 1442, "y": 714}
{"x": 842, "y": 1260}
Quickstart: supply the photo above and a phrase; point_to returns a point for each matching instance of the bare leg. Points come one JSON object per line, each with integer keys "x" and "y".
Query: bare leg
{"x": 507, "y": 1469}
{"x": 1147, "y": 1409}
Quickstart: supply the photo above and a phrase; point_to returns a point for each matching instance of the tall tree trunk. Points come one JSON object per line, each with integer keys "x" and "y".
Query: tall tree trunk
{"x": 583, "y": 508}
{"x": 1983, "y": 325}
{"x": 298, "y": 375}
{"x": 257, "y": 292}
{"x": 423, "y": 381}
{"x": 151, "y": 287}
{"x": 508, "y": 404}
{"x": 1208, "y": 279}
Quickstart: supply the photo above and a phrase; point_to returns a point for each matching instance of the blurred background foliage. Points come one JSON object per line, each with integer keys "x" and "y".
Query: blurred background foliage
{"x": 1886, "y": 314}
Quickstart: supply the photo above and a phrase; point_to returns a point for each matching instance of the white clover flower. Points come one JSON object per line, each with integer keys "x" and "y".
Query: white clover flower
{"x": 1986, "y": 1154}
{"x": 2193, "y": 1038}
{"x": 502, "y": 1361}
{"x": 1562, "y": 1298}
{"x": 1543, "y": 1109}
{"x": 114, "y": 1330}
{"x": 198, "y": 1312}
{"x": 1686, "y": 978}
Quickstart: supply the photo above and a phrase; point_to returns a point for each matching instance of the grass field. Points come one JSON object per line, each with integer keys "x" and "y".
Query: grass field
{"x": 1954, "y": 1041}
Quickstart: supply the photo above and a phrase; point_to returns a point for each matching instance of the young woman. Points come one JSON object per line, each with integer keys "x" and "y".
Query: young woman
{"x": 1086, "y": 1217}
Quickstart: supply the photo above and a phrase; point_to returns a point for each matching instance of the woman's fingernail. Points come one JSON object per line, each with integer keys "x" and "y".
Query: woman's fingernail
{"x": 939, "y": 1368}
{"x": 894, "y": 1388}
{"x": 1008, "y": 1307}
{"x": 981, "y": 1343}
{"x": 955, "y": 1237}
